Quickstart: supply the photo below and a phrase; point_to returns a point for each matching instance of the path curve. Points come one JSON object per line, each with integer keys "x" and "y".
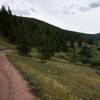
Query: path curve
{"x": 12, "y": 85}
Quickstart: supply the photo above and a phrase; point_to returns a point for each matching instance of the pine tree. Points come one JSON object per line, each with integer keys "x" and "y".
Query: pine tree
{"x": 86, "y": 54}
{"x": 3, "y": 20}
{"x": 46, "y": 47}
{"x": 23, "y": 41}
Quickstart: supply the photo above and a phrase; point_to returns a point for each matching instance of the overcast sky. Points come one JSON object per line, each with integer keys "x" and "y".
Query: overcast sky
{"x": 76, "y": 15}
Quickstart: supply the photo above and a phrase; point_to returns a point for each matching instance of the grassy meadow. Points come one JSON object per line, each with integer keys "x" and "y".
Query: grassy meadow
{"x": 58, "y": 79}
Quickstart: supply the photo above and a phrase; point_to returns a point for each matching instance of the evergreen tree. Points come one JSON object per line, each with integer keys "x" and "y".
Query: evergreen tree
{"x": 9, "y": 11}
{"x": 46, "y": 47}
{"x": 90, "y": 42}
{"x": 72, "y": 44}
{"x": 3, "y": 20}
{"x": 86, "y": 54}
{"x": 79, "y": 44}
{"x": 24, "y": 42}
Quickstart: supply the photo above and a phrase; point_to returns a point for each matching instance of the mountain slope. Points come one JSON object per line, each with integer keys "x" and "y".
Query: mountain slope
{"x": 76, "y": 15}
{"x": 69, "y": 35}
{"x": 41, "y": 24}
{"x": 58, "y": 79}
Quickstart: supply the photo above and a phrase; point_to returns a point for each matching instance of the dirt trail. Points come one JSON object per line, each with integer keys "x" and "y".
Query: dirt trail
{"x": 12, "y": 85}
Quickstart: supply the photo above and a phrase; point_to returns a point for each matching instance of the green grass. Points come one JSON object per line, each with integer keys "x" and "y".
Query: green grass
{"x": 58, "y": 79}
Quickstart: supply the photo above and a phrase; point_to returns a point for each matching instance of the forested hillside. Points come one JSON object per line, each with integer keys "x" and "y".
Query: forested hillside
{"x": 58, "y": 64}
{"x": 28, "y": 33}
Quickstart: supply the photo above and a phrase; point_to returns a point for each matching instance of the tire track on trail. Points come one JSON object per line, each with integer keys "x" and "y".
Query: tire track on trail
{"x": 5, "y": 74}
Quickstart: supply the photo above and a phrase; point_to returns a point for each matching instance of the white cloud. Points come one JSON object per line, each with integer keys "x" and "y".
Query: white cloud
{"x": 76, "y": 15}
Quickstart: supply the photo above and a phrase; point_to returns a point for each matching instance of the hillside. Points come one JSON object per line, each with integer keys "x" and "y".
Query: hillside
{"x": 69, "y": 35}
{"x": 57, "y": 79}
{"x": 69, "y": 14}
{"x": 58, "y": 64}
{"x": 96, "y": 37}
{"x": 11, "y": 24}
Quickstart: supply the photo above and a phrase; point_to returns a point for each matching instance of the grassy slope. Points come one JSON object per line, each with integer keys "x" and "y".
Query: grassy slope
{"x": 57, "y": 79}
{"x": 60, "y": 80}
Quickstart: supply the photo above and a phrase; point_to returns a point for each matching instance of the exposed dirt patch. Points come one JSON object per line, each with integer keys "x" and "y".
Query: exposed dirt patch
{"x": 12, "y": 85}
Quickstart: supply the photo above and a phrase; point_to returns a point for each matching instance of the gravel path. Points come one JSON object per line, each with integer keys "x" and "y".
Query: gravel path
{"x": 12, "y": 85}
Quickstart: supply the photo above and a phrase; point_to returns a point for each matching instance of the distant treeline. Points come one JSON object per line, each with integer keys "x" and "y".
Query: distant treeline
{"x": 27, "y": 33}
